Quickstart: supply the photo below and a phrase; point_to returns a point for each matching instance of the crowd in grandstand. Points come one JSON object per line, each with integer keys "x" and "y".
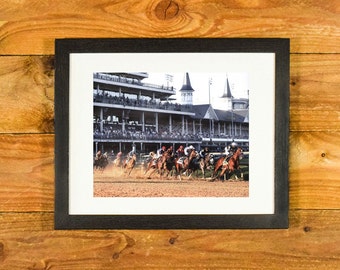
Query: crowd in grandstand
{"x": 109, "y": 98}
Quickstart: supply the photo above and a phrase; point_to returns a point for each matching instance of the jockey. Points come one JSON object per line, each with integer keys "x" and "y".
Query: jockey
{"x": 131, "y": 153}
{"x": 170, "y": 150}
{"x": 98, "y": 155}
{"x": 204, "y": 152}
{"x": 119, "y": 156}
{"x": 161, "y": 151}
{"x": 188, "y": 149}
{"x": 180, "y": 151}
{"x": 230, "y": 149}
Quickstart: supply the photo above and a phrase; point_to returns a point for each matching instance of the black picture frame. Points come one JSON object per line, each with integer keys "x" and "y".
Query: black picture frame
{"x": 276, "y": 220}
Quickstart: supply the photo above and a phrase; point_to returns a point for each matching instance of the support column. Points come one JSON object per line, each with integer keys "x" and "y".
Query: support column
{"x": 101, "y": 120}
{"x": 143, "y": 121}
{"x": 183, "y": 126}
{"x": 123, "y": 121}
{"x": 213, "y": 126}
{"x": 156, "y": 121}
{"x": 170, "y": 123}
{"x": 200, "y": 126}
{"x": 186, "y": 126}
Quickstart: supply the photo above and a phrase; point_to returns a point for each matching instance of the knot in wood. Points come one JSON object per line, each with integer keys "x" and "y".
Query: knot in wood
{"x": 172, "y": 240}
{"x": 166, "y": 10}
{"x": 307, "y": 229}
{"x": 115, "y": 256}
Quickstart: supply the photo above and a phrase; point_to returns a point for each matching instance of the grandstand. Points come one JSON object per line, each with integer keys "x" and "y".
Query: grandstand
{"x": 127, "y": 111}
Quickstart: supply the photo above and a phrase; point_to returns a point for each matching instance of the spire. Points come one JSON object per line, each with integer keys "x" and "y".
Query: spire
{"x": 227, "y": 91}
{"x": 186, "y": 91}
{"x": 186, "y": 83}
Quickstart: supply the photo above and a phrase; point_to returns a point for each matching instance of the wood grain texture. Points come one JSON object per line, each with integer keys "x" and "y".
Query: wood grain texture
{"x": 27, "y": 171}
{"x": 314, "y": 92}
{"x": 28, "y": 241}
{"x": 27, "y": 33}
{"x": 30, "y": 27}
{"x": 27, "y": 94}
{"x": 28, "y": 82}
{"x": 314, "y": 170}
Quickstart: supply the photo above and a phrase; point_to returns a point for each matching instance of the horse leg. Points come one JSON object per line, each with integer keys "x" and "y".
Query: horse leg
{"x": 147, "y": 169}
{"x": 236, "y": 176}
{"x": 149, "y": 177}
{"x": 178, "y": 171}
{"x": 217, "y": 167}
{"x": 224, "y": 169}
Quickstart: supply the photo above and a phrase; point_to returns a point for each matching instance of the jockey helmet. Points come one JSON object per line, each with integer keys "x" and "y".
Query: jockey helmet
{"x": 234, "y": 144}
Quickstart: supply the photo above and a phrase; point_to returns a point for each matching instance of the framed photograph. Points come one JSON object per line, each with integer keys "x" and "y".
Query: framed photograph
{"x": 171, "y": 133}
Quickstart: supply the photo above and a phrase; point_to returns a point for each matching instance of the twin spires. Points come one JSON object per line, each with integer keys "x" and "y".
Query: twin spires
{"x": 187, "y": 93}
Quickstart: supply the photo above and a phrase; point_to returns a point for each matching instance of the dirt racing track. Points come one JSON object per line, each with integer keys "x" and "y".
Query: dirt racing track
{"x": 114, "y": 182}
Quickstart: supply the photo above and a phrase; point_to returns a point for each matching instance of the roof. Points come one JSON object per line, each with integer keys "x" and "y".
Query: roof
{"x": 243, "y": 113}
{"x": 206, "y": 111}
{"x": 186, "y": 83}
{"x": 229, "y": 115}
{"x": 227, "y": 91}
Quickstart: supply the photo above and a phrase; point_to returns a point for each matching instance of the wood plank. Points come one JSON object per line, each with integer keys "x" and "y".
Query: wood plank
{"x": 31, "y": 27}
{"x": 28, "y": 241}
{"x": 27, "y": 171}
{"x": 314, "y": 170}
{"x": 314, "y": 93}
{"x": 27, "y": 94}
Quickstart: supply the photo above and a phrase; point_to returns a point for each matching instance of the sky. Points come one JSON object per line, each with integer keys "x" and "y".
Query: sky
{"x": 200, "y": 83}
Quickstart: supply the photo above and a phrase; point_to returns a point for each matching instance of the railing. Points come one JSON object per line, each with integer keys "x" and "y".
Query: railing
{"x": 147, "y": 137}
{"x": 121, "y": 79}
{"x": 124, "y": 101}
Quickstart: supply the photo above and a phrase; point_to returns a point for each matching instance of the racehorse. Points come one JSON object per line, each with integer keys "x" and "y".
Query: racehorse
{"x": 205, "y": 163}
{"x": 184, "y": 165}
{"x": 118, "y": 162}
{"x": 100, "y": 162}
{"x": 130, "y": 164}
{"x": 231, "y": 165}
{"x": 150, "y": 163}
{"x": 169, "y": 164}
{"x": 160, "y": 164}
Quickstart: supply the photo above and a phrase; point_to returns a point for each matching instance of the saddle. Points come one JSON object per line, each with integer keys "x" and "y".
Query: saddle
{"x": 226, "y": 160}
{"x": 181, "y": 160}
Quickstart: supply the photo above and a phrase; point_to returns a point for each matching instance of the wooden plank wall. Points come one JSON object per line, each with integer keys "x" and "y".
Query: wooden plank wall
{"x": 28, "y": 29}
